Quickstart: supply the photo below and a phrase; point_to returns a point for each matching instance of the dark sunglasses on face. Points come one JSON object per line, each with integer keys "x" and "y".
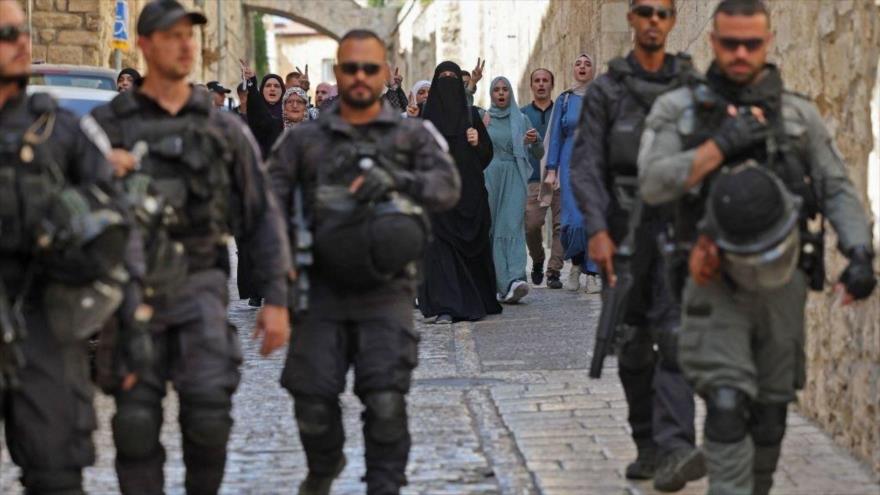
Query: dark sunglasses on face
{"x": 12, "y": 33}
{"x": 352, "y": 68}
{"x": 648, "y": 11}
{"x": 733, "y": 44}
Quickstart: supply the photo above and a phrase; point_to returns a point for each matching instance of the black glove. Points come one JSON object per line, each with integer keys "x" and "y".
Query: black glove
{"x": 377, "y": 183}
{"x": 858, "y": 278}
{"x": 740, "y": 134}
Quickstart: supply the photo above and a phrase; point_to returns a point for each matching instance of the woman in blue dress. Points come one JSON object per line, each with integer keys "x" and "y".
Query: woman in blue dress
{"x": 560, "y": 141}
{"x": 507, "y": 178}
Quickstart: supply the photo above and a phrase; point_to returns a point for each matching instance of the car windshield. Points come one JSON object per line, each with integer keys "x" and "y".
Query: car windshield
{"x": 75, "y": 80}
{"x": 79, "y": 107}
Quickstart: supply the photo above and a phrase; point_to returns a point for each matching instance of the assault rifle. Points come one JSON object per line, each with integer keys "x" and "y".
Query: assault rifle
{"x": 614, "y": 298}
{"x": 12, "y": 332}
{"x": 302, "y": 254}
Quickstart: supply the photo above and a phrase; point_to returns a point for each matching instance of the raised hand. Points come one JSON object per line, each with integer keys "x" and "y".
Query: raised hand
{"x": 246, "y": 70}
{"x": 473, "y": 138}
{"x": 304, "y": 78}
{"x": 412, "y": 109}
{"x": 477, "y": 73}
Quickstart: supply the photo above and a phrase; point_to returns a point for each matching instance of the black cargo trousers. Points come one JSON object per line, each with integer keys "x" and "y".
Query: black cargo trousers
{"x": 50, "y": 417}
{"x": 374, "y": 332}
{"x": 198, "y": 350}
{"x": 660, "y": 400}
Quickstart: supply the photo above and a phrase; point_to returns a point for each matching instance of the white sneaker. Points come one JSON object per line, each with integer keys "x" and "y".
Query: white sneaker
{"x": 574, "y": 278}
{"x": 594, "y": 284}
{"x": 518, "y": 290}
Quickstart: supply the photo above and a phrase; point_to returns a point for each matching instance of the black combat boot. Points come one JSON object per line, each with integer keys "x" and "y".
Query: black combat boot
{"x": 553, "y": 281}
{"x": 320, "y": 484}
{"x": 679, "y": 467}
{"x": 644, "y": 466}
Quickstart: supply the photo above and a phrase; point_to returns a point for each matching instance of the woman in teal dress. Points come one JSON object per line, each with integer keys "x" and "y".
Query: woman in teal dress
{"x": 507, "y": 179}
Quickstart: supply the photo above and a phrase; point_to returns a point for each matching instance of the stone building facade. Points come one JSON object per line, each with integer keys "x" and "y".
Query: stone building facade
{"x": 80, "y": 31}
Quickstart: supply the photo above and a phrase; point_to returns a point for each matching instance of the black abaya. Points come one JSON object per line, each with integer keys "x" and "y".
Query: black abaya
{"x": 459, "y": 275}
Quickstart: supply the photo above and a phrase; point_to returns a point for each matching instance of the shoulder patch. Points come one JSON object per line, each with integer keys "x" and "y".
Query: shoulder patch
{"x": 96, "y": 134}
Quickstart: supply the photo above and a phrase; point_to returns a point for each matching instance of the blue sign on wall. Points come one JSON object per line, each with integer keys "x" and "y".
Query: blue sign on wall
{"x": 121, "y": 39}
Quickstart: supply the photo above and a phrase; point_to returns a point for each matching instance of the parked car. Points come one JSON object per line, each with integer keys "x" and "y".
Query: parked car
{"x": 78, "y": 100}
{"x": 80, "y": 76}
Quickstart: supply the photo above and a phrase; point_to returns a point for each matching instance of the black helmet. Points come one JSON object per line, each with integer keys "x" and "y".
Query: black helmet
{"x": 753, "y": 218}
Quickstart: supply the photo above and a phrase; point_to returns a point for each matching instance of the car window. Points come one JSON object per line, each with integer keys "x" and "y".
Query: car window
{"x": 79, "y": 107}
{"x": 75, "y": 80}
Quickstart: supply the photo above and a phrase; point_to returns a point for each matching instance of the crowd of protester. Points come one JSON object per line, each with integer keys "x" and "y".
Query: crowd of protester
{"x": 513, "y": 162}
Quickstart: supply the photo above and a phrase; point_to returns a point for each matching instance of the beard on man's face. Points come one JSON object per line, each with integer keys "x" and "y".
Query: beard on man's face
{"x": 359, "y": 101}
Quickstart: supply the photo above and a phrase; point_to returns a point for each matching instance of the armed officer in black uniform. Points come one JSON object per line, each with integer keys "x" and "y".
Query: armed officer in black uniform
{"x": 205, "y": 166}
{"x": 64, "y": 250}
{"x": 357, "y": 179}
{"x": 603, "y": 176}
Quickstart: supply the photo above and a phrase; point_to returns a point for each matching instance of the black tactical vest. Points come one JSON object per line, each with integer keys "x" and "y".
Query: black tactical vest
{"x": 29, "y": 176}
{"x": 188, "y": 163}
{"x": 633, "y": 107}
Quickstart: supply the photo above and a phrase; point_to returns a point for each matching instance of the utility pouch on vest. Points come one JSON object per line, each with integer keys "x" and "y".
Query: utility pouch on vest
{"x": 166, "y": 260}
{"x": 11, "y": 231}
{"x": 623, "y": 143}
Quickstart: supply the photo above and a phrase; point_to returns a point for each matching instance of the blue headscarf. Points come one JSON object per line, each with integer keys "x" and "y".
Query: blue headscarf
{"x": 519, "y": 124}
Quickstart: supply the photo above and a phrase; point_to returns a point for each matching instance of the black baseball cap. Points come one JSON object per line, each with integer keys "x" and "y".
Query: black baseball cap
{"x": 217, "y": 87}
{"x": 160, "y": 15}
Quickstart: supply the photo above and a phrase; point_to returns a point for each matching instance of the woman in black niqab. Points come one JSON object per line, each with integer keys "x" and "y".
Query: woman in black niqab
{"x": 459, "y": 275}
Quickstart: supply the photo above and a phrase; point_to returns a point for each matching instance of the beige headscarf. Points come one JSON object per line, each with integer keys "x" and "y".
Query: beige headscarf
{"x": 580, "y": 88}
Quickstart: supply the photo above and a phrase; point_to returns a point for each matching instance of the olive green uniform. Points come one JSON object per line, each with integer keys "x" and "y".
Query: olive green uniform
{"x": 748, "y": 341}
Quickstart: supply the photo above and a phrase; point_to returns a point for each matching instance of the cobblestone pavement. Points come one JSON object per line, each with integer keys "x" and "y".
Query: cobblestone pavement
{"x": 502, "y": 406}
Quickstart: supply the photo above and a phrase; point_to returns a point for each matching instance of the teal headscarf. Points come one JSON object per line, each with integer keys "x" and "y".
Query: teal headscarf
{"x": 519, "y": 124}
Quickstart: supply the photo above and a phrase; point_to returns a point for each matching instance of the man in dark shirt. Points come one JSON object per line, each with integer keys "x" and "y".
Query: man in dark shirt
{"x": 206, "y": 166}
{"x": 539, "y": 112}
{"x": 339, "y": 171}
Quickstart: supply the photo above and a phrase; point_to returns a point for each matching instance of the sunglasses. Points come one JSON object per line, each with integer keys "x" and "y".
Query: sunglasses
{"x": 352, "y": 68}
{"x": 733, "y": 44}
{"x": 648, "y": 11}
{"x": 12, "y": 33}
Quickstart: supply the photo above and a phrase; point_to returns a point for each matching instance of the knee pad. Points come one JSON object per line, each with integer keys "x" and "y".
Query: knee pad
{"x": 52, "y": 481}
{"x": 636, "y": 351}
{"x": 136, "y": 430}
{"x": 314, "y": 415}
{"x": 385, "y": 416}
{"x": 767, "y": 423}
{"x": 205, "y": 419}
{"x": 667, "y": 347}
{"x": 727, "y": 415}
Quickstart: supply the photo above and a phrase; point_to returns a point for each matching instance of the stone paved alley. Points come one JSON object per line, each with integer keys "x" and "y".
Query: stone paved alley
{"x": 503, "y": 406}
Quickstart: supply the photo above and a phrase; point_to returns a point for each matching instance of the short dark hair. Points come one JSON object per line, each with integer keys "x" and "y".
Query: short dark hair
{"x": 362, "y": 34}
{"x": 548, "y": 71}
{"x": 746, "y": 8}
{"x": 295, "y": 73}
